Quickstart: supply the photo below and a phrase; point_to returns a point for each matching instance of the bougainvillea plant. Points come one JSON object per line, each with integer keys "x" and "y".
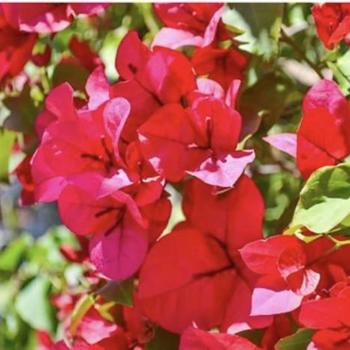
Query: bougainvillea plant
{"x": 174, "y": 176}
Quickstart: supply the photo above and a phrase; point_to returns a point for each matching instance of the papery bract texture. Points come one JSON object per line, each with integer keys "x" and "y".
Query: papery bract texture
{"x": 323, "y": 105}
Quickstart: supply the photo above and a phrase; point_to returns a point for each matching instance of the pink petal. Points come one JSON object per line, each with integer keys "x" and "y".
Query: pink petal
{"x": 119, "y": 254}
{"x": 232, "y": 93}
{"x": 286, "y": 142}
{"x": 274, "y": 298}
{"x": 304, "y": 282}
{"x": 225, "y": 170}
{"x": 87, "y": 8}
{"x": 210, "y": 31}
{"x": 115, "y": 114}
{"x": 175, "y": 38}
{"x": 93, "y": 327}
{"x": 97, "y": 88}
{"x": 210, "y": 87}
{"x": 41, "y": 18}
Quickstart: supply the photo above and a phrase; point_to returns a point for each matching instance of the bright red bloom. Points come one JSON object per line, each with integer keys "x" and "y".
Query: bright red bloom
{"x": 15, "y": 48}
{"x": 210, "y": 88}
{"x": 84, "y": 54}
{"x": 57, "y": 162}
{"x": 189, "y": 24}
{"x": 224, "y": 214}
{"x": 193, "y": 268}
{"x": 185, "y": 271}
{"x": 186, "y": 16}
{"x": 221, "y": 65}
{"x": 149, "y": 80}
{"x": 286, "y": 278}
{"x": 317, "y": 146}
{"x": 115, "y": 232}
{"x": 101, "y": 189}
{"x": 332, "y": 22}
{"x": 330, "y": 262}
{"x": 131, "y": 56}
{"x": 166, "y": 74}
{"x": 138, "y": 329}
{"x": 200, "y": 140}
{"x": 329, "y": 317}
{"x": 54, "y": 110}
{"x": 196, "y": 339}
{"x": 46, "y": 17}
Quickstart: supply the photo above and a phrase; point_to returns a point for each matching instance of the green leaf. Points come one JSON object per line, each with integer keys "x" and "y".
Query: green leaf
{"x": 7, "y": 138}
{"x": 261, "y": 26}
{"x": 74, "y": 74}
{"x": 46, "y": 251}
{"x": 281, "y": 193}
{"x": 119, "y": 292}
{"x": 7, "y": 290}
{"x": 299, "y": 340}
{"x": 341, "y": 78}
{"x": 32, "y": 304}
{"x": 10, "y": 258}
{"x": 264, "y": 102}
{"x": 163, "y": 340}
{"x": 22, "y": 112}
{"x": 324, "y": 203}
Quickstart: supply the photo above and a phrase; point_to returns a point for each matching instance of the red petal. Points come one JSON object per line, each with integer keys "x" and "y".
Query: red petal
{"x": 168, "y": 74}
{"x": 323, "y": 105}
{"x": 187, "y": 274}
{"x": 132, "y": 55}
{"x": 196, "y": 339}
{"x": 221, "y": 65}
{"x": 225, "y": 214}
{"x": 83, "y": 52}
{"x": 44, "y": 18}
{"x": 165, "y": 140}
{"x": 272, "y": 296}
{"x": 216, "y": 124}
{"x": 142, "y": 104}
{"x": 237, "y": 316}
{"x": 120, "y": 253}
{"x": 325, "y": 313}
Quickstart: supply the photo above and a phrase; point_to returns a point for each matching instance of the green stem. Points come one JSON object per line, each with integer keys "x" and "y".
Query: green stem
{"x": 288, "y": 40}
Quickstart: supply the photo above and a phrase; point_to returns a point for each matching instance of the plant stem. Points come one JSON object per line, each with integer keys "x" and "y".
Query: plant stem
{"x": 288, "y": 40}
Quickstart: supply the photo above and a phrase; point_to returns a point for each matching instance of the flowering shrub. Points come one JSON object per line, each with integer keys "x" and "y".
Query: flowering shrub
{"x": 186, "y": 166}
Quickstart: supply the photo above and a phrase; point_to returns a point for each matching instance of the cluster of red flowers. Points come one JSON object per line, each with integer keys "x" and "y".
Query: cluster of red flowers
{"x": 172, "y": 119}
{"x": 332, "y": 23}
{"x": 20, "y": 25}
